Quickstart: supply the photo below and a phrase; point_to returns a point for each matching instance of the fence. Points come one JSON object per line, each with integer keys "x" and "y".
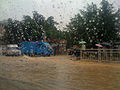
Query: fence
{"x": 100, "y": 54}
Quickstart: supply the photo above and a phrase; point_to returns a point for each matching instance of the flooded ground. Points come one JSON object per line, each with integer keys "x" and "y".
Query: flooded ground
{"x": 57, "y": 73}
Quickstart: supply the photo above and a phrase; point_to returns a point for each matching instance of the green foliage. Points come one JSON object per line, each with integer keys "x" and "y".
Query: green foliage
{"x": 34, "y": 28}
{"x": 95, "y": 25}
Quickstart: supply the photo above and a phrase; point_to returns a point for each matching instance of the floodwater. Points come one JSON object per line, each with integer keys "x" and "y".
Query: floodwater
{"x": 57, "y": 73}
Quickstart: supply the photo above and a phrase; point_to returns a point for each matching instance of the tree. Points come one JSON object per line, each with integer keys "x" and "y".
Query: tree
{"x": 12, "y": 34}
{"x": 83, "y": 25}
{"x": 31, "y": 30}
{"x": 25, "y": 30}
{"x": 108, "y": 22}
{"x": 50, "y": 28}
{"x": 46, "y": 25}
{"x": 95, "y": 25}
{"x": 34, "y": 28}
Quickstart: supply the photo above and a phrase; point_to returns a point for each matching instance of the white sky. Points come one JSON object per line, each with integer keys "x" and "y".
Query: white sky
{"x": 61, "y": 10}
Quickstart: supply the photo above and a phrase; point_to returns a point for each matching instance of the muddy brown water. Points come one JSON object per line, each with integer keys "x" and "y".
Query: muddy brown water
{"x": 57, "y": 73}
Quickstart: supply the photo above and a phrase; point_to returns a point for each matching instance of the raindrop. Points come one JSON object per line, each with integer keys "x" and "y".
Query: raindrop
{"x": 70, "y": 1}
{"x": 61, "y": 22}
{"x": 116, "y": 18}
{"x": 87, "y": 28}
{"x": 93, "y": 21}
{"x": 61, "y": 3}
{"x": 91, "y": 41}
{"x": 53, "y": 6}
{"x": 94, "y": 28}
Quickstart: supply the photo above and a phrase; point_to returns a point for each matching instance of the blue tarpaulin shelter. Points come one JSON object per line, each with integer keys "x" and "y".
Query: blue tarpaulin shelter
{"x": 118, "y": 42}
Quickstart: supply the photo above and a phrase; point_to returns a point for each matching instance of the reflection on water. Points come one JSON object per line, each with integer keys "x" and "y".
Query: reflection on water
{"x": 60, "y": 74}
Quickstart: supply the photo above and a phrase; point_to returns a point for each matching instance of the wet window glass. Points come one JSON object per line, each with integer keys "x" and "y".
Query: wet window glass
{"x": 60, "y": 44}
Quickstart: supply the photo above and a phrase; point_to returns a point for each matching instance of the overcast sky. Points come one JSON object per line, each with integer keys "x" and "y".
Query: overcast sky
{"x": 61, "y": 10}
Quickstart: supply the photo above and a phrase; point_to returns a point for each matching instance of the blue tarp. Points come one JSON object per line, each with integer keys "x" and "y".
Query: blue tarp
{"x": 118, "y": 42}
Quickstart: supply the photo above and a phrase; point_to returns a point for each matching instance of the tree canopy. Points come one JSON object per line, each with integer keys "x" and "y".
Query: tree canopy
{"x": 95, "y": 24}
{"x": 34, "y": 28}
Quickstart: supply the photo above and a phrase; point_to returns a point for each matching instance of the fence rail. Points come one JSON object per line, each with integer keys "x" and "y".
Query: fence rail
{"x": 100, "y": 54}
